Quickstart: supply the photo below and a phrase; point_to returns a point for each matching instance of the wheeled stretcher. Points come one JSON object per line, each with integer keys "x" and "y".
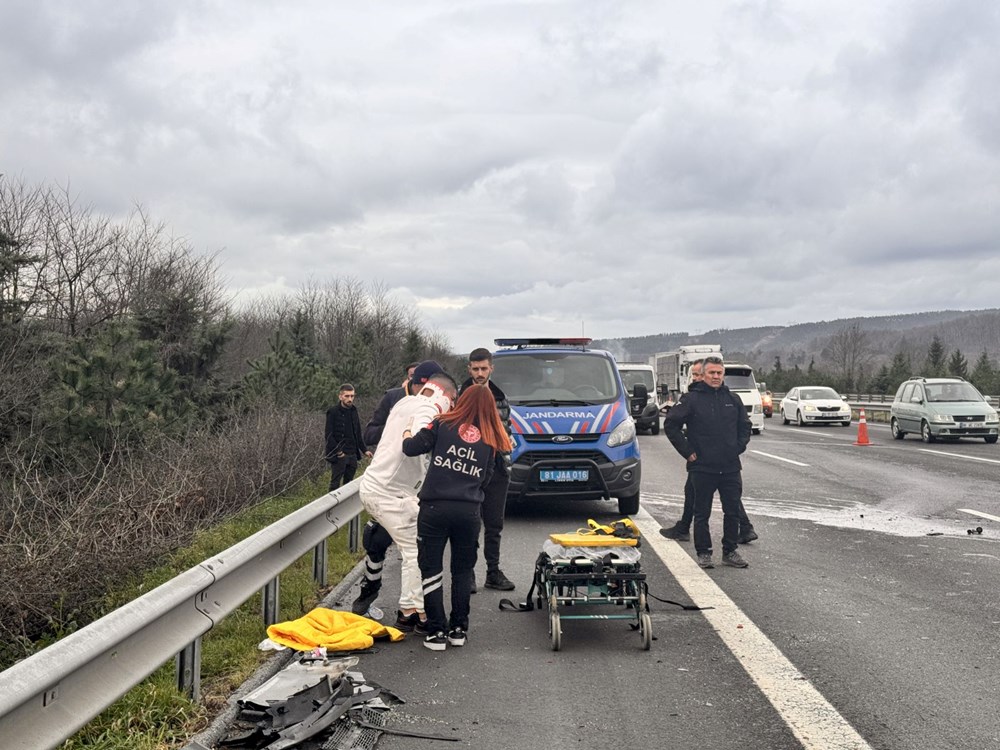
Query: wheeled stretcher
{"x": 581, "y": 573}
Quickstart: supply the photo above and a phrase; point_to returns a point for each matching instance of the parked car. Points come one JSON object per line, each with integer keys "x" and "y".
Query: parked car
{"x": 815, "y": 404}
{"x": 949, "y": 408}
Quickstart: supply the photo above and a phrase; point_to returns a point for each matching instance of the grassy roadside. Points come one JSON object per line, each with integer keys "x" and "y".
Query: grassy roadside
{"x": 153, "y": 715}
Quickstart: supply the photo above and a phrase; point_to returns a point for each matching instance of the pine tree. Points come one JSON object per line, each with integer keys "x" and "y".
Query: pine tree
{"x": 958, "y": 366}
{"x": 984, "y": 375}
{"x": 900, "y": 369}
{"x": 934, "y": 365}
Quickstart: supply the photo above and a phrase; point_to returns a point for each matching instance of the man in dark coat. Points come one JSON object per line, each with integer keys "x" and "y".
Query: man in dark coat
{"x": 717, "y": 432}
{"x": 344, "y": 444}
{"x": 495, "y": 503}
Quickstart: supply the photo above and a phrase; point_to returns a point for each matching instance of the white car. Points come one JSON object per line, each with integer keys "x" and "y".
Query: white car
{"x": 815, "y": 404}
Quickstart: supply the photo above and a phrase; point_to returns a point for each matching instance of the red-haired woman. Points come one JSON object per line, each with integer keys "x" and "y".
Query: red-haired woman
{"x": 463, "y": 444}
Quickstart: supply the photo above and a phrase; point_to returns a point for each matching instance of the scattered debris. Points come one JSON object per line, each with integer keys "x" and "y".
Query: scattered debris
{"x": 977, "y": 530}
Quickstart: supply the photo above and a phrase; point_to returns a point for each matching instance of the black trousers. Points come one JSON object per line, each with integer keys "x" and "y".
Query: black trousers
{"x": 376, "y": 541}
{"x": 438, "y": 523}
{"x": 687, "y": 516}
{"x": 342, "y": 470}
{"x": 730, "y": 488}
{"x": 494, "y": 507}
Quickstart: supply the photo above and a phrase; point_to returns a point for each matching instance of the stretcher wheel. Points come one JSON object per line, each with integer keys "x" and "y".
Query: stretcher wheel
{"x": 555, "y": 630}
{"x": 646, "y": 630}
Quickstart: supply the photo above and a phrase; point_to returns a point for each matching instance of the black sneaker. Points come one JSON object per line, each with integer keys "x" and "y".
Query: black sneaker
{"x": 733, "y": 558}
{"x": 421, "y": 627}
{"x": 365, "y": 599}
{"x": 705, "y": 560}
{"x": 407, "y": 623}
{"x": 457, "y": 637}
{"x": 495, "y": 579}
{"x": 436, "y": 642}
{"x": 474, "y": 588}
{"x": 747, "y": 536}
{"x": 676, "y": 533}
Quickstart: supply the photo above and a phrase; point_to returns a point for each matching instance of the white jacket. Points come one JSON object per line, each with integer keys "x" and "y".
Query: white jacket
{"x": 391, "y": 473}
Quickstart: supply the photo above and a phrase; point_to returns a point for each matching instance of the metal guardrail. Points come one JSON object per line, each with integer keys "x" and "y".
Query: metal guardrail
{"x": 50, "y": 695}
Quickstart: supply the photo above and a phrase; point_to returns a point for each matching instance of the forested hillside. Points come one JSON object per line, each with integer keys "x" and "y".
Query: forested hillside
{"x": 851, "y": 353}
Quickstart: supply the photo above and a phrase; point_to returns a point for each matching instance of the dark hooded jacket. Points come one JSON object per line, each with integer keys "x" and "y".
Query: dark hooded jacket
{"x": 714, "y": 424}
{"x": 373, "y": 430}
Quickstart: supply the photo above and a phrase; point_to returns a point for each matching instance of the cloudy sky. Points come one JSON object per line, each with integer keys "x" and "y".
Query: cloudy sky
{"x": 537, "y": 168}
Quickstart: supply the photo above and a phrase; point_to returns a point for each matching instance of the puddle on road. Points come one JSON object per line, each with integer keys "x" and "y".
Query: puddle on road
{"x": 843, "y": 514}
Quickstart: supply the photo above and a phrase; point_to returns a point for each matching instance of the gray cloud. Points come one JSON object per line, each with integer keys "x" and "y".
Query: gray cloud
{"x": 517, "y": 168}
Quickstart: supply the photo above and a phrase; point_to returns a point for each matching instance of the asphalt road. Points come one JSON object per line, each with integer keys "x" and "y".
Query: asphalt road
{"x": 868, "y": 616}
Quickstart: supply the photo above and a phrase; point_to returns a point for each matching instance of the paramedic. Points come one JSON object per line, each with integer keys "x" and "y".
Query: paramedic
{"x": 389, "y": 487}
{"x": 464, "y": 444}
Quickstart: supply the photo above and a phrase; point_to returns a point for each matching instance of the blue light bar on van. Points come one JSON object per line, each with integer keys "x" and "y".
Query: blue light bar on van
{"x": 543, "y": 342}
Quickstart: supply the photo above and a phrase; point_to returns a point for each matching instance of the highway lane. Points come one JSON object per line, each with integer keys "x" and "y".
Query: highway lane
{"x": 864, "y": 582}
{"x": 865, "y": 577}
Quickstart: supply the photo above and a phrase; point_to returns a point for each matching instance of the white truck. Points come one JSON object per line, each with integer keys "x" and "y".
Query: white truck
{"x": 673, "y": 374}
{"x": 673, "y": 370}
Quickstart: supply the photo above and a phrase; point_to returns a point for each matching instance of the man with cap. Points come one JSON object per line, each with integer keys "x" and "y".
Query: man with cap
{"x": 389, "y": 491}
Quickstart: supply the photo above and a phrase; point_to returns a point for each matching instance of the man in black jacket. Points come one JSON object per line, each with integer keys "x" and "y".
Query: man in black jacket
{"x": 717, "y": 432}
{"x": 344, "y": 444}
{"x": 495, "y": 503}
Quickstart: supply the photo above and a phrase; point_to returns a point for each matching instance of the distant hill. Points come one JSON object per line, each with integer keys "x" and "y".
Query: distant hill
{"x": 969, "y": 331}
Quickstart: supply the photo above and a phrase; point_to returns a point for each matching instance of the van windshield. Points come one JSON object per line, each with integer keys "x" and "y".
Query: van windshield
{"x": 632, "y": 378}
{"x": 570, "y": 378}
{"x": 740, "y": 380}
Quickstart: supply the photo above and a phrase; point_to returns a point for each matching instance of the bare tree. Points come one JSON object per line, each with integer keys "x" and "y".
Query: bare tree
{"x": 850, "y": 352}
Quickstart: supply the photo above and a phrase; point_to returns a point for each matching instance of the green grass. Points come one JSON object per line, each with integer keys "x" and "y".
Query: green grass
{"x": 153, "y": 715}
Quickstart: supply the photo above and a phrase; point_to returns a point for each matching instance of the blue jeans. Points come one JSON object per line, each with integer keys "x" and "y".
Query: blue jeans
{"x": 440, "y": 522}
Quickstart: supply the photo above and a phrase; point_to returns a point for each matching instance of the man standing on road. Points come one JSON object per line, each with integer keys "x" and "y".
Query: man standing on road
{"x": 681, "y": 531}
{"x": 717, "y": 432}
{"x": 344, "y": 445}
{"x": 495, "y": 502}
{"x": 389, "y": 490}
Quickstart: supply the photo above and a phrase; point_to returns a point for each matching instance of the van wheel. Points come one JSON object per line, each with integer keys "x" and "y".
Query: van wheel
{"x": 784, "y": 419}
{"x": 991, "y": 438}
{"x": 925, "y": 433}
{"x": 897, "y": 433}
{"x": 629, "y": 506}
{"x": 655, "y": 429}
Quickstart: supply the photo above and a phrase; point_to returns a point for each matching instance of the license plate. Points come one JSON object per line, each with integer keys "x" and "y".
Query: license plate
{"x": 970, "y": 424}
{"x": 564, "y": 475}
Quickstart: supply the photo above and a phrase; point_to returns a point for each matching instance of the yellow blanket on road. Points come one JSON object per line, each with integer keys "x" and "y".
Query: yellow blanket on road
{"x": 338, "y": 631}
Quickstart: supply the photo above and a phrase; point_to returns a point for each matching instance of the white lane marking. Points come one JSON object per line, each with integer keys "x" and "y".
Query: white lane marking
{"x": 959, "y": 455}
{"x": 811, "y": 718}
{"x": 979, "y": 513}
{"x": 779, "y": 458}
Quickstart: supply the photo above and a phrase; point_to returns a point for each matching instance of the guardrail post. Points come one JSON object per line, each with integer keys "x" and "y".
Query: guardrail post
{"x": 269, "y": 600}
{"x": 354, "y": 535}
{"x": 188, "y": 667}
{"x": 319, "y": 563}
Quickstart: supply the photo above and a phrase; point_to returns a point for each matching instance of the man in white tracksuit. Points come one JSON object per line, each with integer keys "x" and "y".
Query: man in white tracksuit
{"x": 390, "y": 483}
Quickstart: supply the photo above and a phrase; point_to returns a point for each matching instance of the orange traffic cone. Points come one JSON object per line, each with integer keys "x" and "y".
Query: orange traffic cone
{"x": 862, "y": 430}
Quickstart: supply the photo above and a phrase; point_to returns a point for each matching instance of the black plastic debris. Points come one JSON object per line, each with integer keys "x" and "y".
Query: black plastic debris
{"x": 977, "y": 530}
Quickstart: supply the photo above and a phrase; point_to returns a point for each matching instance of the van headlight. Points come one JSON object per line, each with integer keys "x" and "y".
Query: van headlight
{"x": 622, "y": 434}
{"x": 943, "y": 418}
{"x": 757, "y": 409}
{"x": 992, "y": 418}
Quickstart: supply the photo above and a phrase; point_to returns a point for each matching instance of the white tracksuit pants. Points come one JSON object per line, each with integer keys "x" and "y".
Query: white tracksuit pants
{"x": 398, "y": 516}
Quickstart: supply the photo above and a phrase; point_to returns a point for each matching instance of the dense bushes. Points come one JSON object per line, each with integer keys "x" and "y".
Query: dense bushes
{"x": 137, "y": 406}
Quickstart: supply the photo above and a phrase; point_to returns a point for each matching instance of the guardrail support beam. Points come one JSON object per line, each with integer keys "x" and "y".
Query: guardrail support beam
{"x": 188, "y": 667}
{"x": 270, "y": 597}
{"x": 319, "y": 563}
{"x": 354, "y": 535}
